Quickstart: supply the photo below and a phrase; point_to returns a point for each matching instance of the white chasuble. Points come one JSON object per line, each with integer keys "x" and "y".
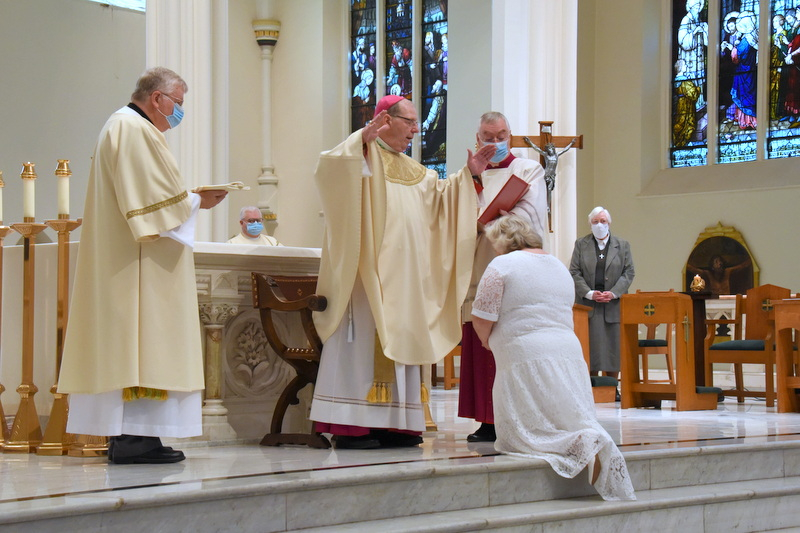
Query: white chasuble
{"x": 396, "y": 261}
{"x": 410, "y": 237}
{"x": 133, "y": 318}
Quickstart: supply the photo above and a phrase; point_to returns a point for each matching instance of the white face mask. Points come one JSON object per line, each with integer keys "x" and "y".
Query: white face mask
{"x": 600, "y": 230}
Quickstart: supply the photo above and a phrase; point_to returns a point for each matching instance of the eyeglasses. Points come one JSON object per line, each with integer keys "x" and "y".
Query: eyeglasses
{"x": 252, "y": 220}
{"x": 500, "y": 137}
{"x": 411, "y": 121}
{"x": 179, "y": 102}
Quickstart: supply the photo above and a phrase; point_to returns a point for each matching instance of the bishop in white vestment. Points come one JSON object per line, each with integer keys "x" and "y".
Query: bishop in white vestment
{"x": 396, "y": 262}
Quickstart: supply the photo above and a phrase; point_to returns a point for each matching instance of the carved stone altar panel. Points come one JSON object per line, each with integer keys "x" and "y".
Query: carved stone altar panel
{"x": 252, "y": 368}
{"x": 254, "y": 375}
{"x": 251, "y": 376}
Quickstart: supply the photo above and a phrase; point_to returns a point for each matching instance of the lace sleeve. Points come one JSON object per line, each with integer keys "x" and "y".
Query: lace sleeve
{"x": 489, "y": 295}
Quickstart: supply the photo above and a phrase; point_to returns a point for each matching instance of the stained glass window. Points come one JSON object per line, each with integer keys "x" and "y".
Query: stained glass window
{"x": 362, "y": 61}
{"x": 413, "y": 65}
{"x": 740, "y": 93}
{"x": 783, "y": 134}
{"x": 689, "y": 145}
{"x": 434, "y": 85}
{"x": 738, "y": 80}
{"x": 398, "y": 47}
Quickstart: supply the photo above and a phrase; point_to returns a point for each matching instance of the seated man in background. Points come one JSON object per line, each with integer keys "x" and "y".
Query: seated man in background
{"x": 252, "y": 225}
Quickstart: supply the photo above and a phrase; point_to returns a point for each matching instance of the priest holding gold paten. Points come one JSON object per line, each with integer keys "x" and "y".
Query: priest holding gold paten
{"x": 395, "y": 268}
{"x": 132, "y": 361}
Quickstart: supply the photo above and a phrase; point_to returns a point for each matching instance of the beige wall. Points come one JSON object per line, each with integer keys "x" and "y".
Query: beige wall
{"x": 621, "y": 112}
{"x": 61, "y": 83}
{"x": 66, "y": 65}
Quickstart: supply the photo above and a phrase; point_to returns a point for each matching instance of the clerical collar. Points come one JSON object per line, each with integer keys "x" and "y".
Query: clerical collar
{"x": 139, "y": 110}
{"x": 505, "y": 163}
{"x": 385, "y": 146}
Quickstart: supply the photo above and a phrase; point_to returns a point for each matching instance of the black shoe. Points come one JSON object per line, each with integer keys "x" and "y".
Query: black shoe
{"x": 393, "y": 439}
{"x": 485, "y": 433}
{"x": 160, "y": 455}
{"x": 365, "y": 442}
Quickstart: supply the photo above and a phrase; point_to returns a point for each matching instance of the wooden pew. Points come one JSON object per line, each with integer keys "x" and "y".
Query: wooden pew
{"x": 787, "y": 321}
{"x": 661, "y": 308}
{"x": 604, "y": 392}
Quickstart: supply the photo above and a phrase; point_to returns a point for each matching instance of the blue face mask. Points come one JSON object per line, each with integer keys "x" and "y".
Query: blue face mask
{"x": 177, "y": 114}
{"x": 501, "y": 153}
{"x": 255, "y": 228}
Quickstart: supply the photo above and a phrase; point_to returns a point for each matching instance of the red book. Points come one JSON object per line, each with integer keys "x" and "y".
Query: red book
{"x": 514, "y": 189}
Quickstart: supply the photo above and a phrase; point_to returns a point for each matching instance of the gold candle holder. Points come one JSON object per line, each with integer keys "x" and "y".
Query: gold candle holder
{"x": 26, "y": 433}
{"x": 56, "y": 440}
{"x": 88, "y": 446}
{"x": 4, "y": 433}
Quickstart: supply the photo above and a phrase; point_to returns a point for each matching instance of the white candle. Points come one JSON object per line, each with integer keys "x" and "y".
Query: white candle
{"x": 63, "y": 195}
{"x": 28, "y": 176}
{"x": 28, "y": 200}
{"x": 2, "y": 184}
{"x": 62, "y": 174}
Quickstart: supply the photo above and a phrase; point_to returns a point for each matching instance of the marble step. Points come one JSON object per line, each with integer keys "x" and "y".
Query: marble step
{"x": 472, "y": 492}
{"x": 742, "y": 506}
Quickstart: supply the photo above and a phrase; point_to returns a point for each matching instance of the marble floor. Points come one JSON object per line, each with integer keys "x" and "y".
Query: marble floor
{"x": 29, "y": 482}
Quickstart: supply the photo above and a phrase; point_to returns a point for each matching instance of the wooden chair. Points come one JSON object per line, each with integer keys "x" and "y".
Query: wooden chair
{"x": 755, "y": 317}
{"x": 291, "y": 294}
{"x": 660, "y": 308}
{"x": 449, "y": 380}
{"x": 604, "y": 388}
{"x": 787, "y": 333}
{"x": 651, "y": 345}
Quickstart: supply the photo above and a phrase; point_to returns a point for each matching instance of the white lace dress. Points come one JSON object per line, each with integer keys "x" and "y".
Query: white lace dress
{"x": 543, "y": 405}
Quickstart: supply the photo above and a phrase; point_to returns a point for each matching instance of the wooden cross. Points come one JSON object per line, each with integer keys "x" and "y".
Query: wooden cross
{"x": 548, "y": 161}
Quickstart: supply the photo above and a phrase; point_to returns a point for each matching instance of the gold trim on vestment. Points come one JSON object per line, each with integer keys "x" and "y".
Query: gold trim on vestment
{"x": 383, "y": 378}
{"x": 136, "y": 393}
{"x": 155, "y": 207}
{"x": 399, "y": 168}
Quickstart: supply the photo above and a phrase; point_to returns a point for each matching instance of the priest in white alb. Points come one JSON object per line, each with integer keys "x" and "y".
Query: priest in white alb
{"x": 132, "y": 361}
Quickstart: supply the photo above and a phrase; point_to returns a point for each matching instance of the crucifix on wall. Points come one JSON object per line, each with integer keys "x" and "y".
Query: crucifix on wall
{"x": 547, "y": 146}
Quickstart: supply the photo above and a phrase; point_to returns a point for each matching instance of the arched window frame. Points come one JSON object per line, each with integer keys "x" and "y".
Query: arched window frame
{"x": 713, "y": 80}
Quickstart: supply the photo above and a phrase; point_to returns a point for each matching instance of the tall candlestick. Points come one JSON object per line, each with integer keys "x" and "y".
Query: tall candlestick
{"x": 63, "y": 173}
{"x": 28, "y": 176}
{"x": 2, "y": 184}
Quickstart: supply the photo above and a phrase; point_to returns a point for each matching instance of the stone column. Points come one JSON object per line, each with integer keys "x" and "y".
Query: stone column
{"x": 217, "y": 306}
{"x": 266, "y": 33}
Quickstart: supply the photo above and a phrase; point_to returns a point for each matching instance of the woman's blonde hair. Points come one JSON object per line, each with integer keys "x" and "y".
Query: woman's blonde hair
{"x": 511, "y": 232}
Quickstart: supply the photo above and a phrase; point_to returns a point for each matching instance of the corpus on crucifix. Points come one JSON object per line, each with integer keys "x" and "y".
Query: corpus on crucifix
{"x": 547, "y": 146}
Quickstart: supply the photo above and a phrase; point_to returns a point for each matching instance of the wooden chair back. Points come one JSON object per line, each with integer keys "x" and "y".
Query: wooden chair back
{"x": 755, "y": 317}
{"x": 290, "y": 294}
{"x": 660, "y": 308}
{"x": 759, "y": 310}
{"x": 787, "y": 327}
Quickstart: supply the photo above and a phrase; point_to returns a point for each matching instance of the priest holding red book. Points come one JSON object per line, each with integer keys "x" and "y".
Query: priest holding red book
{"x": 477, "y": 363}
